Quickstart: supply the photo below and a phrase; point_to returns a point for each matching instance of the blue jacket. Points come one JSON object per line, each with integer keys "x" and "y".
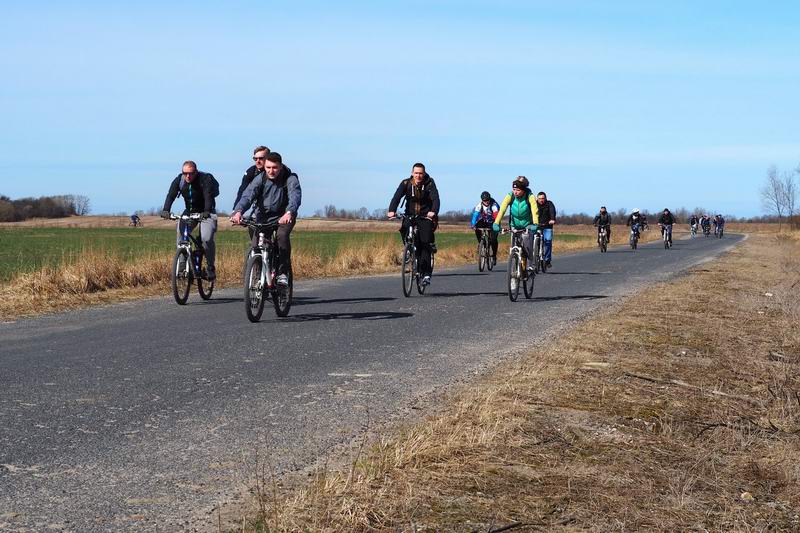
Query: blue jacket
{"x": 485, "y": 213}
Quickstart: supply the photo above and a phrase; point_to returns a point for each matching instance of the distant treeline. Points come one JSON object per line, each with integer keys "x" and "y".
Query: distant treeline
{"x": 42, "y": 207}
{"x": 455, "y": 217}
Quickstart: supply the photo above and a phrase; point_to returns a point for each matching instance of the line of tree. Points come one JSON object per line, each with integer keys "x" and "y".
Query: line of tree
{"x": 779, "y": 194}
{"x": 43, "y": 207}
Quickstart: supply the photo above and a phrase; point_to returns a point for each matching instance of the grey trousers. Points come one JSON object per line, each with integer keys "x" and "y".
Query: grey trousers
{"x": 208, "y": 228}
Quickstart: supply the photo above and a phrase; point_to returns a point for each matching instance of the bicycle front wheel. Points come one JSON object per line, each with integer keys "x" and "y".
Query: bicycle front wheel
{"x": 407, "y": 264}
{"x": 527, "y": 284}
{"x": 254, "y": 288}
{"x": 482, "y": 255}
{"x": 514, "y": 274}
{"x": 181, "y": 276}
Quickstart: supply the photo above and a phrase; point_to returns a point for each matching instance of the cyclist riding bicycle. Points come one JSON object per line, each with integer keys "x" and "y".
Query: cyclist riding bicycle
{"x": 547, "y": 217}
{"x": 421, "y": 199}
{"x": 482, "y": 217}
{"x": 665, "y": 221}
{"x": 693, "y": 222}
{"x": 522, "y": 213}
{"x": 198, "y": 190}
{"x": 635, "y": 220}
{"x": 135, "y": 220}
{"x": 705, "y": 222}
{"x": 719, "y": 223}
{"x": 603, "y": 220}
{"x": 259, "y": 158}
{"x": 277, "y": 195}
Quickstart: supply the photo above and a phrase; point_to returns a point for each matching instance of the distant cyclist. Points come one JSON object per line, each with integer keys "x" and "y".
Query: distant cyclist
{"x": 547, "y": 217}
{"x": 276, "y": 194}
{"x": 603, "y": 220}
{"x": 483, "y": 216}
{"x": 719, "y": 224}
{"x": 635, "y": 220}
{"x": 666, "y": 221}
{"x": 422, "y": 199}
{"x": 522, "y": 212}
{"x": 135, "y": 220}
{"x": 693, "y": 222}
{"x": 705, "y": 223}
{"x": 198, "y": 190}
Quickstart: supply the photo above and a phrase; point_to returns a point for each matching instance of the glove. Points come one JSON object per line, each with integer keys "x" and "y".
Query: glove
{"x": 532, "y": 228}
{"x": 164, "y": 214}
{"x": 496, "y": 228}
{"x": 205, "y": 215}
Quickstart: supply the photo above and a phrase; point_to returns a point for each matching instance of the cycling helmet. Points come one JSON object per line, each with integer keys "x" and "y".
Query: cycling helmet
{"x": 485, "y": 196}
{"x": 635, "y": 210}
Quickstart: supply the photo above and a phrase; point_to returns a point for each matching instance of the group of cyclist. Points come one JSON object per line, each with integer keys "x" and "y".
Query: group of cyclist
{"x": 637, "y": 221}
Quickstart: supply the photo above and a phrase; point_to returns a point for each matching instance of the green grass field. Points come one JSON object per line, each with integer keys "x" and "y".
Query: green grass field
{"x": 29, "y": 249}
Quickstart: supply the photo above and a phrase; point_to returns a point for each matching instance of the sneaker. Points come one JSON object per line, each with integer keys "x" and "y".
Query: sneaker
{"x": 282, "y": 280}
{"x": 426, "y": 280}
{"x": 548, "y": 264}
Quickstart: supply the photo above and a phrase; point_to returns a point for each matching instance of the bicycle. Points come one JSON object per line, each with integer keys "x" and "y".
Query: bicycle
{"x": 260, "y": 274}
{"x": 666, "y": 234}
{"x": 602, "y": 239}
{"x": 517, "y": 267}
{"x": 409, "y": 268}
{"x": 538, "y": 252}
{"x": 484, "y": 250}
{"x": 634, "y": 239}
{"x": 184, "y": 270}
{"x": 707, "y": 230}
{"x": 135, "y": 223}
{"x": 693, "y": 231}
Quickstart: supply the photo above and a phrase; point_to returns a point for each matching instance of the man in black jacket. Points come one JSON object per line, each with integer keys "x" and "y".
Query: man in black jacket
{"x": 603, "y": 220}
{"x": 259, "y": 156}
{"x": 547, "y": 218}
{"x": 421, "y": 199}
{"x": 665, "y": 221}
{"x": 198, "y": 190}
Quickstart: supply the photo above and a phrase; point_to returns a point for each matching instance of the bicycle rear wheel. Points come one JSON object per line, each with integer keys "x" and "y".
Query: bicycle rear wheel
{"x": 514, "y": 270}
{"x": 407, "y": 268}
{"x": 490, "y": 259}
{"x": 181, "y": 276}
{"x": 527, "y": 284}
{"x": 282, "y": 297}
{"x": 204, "y": 287}
{"x": 254, "y": 288}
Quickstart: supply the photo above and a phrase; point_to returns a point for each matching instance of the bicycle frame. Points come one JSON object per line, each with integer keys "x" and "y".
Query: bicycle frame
{"x": 189, "y": 242}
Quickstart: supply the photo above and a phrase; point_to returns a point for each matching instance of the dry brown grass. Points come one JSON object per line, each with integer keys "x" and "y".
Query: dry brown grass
{"x": 685, "y": 419}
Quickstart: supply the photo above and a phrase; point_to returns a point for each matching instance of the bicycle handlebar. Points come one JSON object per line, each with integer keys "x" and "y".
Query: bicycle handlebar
{"x": 192, "y": 216}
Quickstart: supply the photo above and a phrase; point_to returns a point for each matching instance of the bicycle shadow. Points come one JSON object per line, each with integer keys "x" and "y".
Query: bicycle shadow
{"x": 214, "y": 301}
{"x": 313, "y": 300}
{"x": 316, "y": 317}
{"x": 573, "y": 297}
{"x": 551, "y": 273}
{"x": 457, "y": 274}
{"x": 455, "y": 294}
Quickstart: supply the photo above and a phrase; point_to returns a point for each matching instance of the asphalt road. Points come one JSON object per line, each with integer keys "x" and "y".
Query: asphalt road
{"x": 145, "y": 415}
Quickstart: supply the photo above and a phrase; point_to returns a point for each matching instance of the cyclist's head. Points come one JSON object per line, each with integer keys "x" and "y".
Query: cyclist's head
{"x": 260, "y": 156}
{"x": 518, "y": 188}
{"x": 541, "y": 198}
{"x": 485, "y": 196}
{"x": 635, "y": 211}
{"x": 524, "y": 181}
{"x": 666, "y": 210}
{"x": 418, "y": 173}
{"x": 603, "y": 209}
{"x": 273, "y": 164}
{"x": 189, "y": 171}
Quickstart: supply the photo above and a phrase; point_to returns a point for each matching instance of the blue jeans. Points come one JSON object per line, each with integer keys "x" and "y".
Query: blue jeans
{"x": 547, "y": 237}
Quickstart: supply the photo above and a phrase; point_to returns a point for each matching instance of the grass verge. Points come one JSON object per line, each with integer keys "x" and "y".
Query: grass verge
{"x": 684, "y": 418}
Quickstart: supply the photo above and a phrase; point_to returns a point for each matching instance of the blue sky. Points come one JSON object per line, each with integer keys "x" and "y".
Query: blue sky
{"x": 625, "y": 104}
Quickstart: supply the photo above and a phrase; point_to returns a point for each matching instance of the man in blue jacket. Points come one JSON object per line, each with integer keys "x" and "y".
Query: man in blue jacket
{"x": 276, "y": 194}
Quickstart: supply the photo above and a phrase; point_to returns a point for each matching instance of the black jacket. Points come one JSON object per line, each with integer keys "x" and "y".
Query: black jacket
{"x": 667, "y": 219}
{"x": 196, "y": 194}
{"x": 602, "y": 219}
{"x": 419, "y": 200}
{"x": 638, "y": 219}
{"x": 547, "y": 212}
{"x": 249, "y": 174}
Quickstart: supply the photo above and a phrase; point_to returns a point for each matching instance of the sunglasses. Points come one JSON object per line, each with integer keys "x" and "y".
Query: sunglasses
{"x": 259, "y": 158}
{"x": 190, "y": 173}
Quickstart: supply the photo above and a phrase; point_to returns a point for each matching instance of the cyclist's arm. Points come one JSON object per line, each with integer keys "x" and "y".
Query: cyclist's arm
{"x": 398, "y": 195}
{"x": 534, "y": 209}
{"x": 246, "y": 180}
{"x": 295, "y": 194}
{"x": 434, "y": 192}
{"x": 208, "y": 200}
{"x": 247, "y": 197}
{"x": 502, "y": 211}
{"x": 172, "y": 194}
{"x": 475, "y": 215}
{"x": 552, "y": 212}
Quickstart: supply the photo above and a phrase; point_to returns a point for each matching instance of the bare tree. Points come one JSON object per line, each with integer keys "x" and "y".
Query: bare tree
{"x": 82, "y": 205}
{"x": 790, "y": 193}
{"x": 773, "y": 196}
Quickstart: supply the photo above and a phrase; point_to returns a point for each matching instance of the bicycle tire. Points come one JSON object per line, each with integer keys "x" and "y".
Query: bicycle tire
{"x": 407, "y": 269}
{"x": 282, "y": 297}
{"x": 482, "y": 255}
{"x": 527, "y": 285}
{"x": 253, "y": 290}
{"x": 513, "y": 276}
{"x": 537, "y": 252}
{"x": 420, "y": 286}
{"x": 204, "y": 287}
{"x": 181, "y": 281}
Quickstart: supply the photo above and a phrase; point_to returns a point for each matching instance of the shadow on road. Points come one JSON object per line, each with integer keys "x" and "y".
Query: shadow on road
{"x": 314, "y": 317}
{"x": 214, "y": 301}
{"x": 551, "y": 273}
{"x": 457, "y": 274}
{"x": 312, "y": 300}
{"x": 573, "y": 297}
{"x": 452, "y": 294}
